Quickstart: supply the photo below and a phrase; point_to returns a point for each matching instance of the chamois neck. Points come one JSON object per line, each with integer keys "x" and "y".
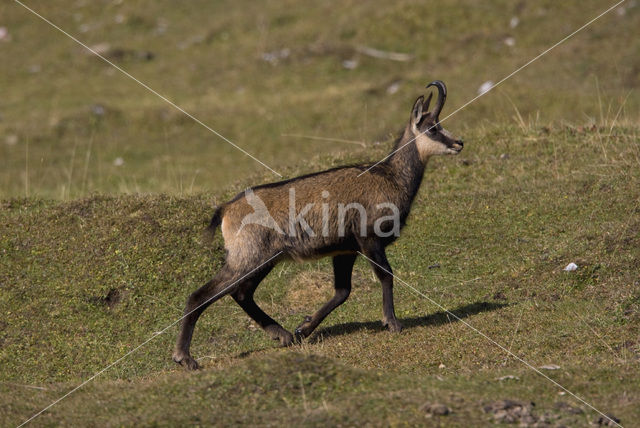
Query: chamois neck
{"x": 406, "y": 163}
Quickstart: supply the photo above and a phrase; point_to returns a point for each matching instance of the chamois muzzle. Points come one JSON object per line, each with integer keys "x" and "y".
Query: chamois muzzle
{"x": 442, "y": 96}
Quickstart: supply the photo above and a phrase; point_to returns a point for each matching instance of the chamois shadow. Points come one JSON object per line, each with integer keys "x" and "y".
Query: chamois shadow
{"x": 434, "y": 320}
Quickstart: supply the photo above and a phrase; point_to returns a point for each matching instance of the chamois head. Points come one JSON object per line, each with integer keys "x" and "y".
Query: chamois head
{"x": 430, "y": 137}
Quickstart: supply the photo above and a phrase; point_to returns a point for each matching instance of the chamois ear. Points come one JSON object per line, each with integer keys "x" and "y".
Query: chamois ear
{"x": 425, "y": 105}
{"x": 416, "y": 112}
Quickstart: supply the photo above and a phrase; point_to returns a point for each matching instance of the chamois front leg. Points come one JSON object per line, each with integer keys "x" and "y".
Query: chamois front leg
{"x": 378, "y": 260}
{"x": 342, "y": 269}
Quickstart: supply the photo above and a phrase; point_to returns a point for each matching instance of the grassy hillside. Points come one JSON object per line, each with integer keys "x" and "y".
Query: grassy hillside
{"x": 105, "y": 191}
{"x": 86, "y": 281}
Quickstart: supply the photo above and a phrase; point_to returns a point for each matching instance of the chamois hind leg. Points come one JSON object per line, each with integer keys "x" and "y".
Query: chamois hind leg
{"x": 342, "y": 270}
{"x": 243, "y": 295}
{"x": 198, "y": 301}
{"x": 381, "y": 267}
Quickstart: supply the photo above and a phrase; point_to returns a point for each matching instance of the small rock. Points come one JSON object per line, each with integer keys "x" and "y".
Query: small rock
{"x": 608, "y": 421}
{"x": 511, "y": 411}
{"x": 442, "y": 366}
{"x": 11, "y": 140}
{"x": 350, "y": 64}
{"x": 485, "y": 87}
{"x": 435, "y": 409}
{"x": 435, "y": 266}
{"x": 98, "y": 109}
{"x": 504, "y": 156}
{"x": 549, "y": 367}
{"x": 570, "y": 267}
{"x": 508, "y": 377}
{"x": 118, "y": 161}
{"x": 393, "y": 87}
{"x": 275, "y": 56}
{"x": 566, "y": 407}
{"x": 499, "y": 295}
{"x": 510, "y": 41}
{"x": 161, "y": 27}
{"x": 4, "y": 34}
{"x": 514, "y": 22}
{"x": 100, "y": 48}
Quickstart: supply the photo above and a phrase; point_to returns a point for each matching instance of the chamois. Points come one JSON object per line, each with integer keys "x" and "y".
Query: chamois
{"x": 339, "y": 212}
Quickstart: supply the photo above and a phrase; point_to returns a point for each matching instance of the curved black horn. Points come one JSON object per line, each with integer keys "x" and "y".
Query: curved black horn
{"x": 442, "y": 96}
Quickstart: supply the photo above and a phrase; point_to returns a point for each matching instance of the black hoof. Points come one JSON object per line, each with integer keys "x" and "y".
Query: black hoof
{"x": 300, "y": 332}
{"x": 186, "y": 361}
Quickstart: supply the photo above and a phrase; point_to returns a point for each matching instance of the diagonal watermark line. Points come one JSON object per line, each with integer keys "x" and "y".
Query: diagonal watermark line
{"x": 120, "y": 69}
{"x": 499, "y": 82}
{"x": 415, "y": 290}
{"x": 156, "y": 334}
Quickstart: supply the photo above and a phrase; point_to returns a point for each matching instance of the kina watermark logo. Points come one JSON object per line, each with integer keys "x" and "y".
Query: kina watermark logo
{"x": 323, "y": 217}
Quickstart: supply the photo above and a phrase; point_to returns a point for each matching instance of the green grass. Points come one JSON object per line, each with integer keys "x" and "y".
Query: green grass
{"x": 86, "y": 281}
{"x": 97, "y": 258}
{"x": 208, "y": 59}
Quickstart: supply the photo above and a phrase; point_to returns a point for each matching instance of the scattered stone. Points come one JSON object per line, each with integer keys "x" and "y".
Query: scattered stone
{"x": 377, "y": 53}
{"x": 510, "y": 41}
{"x": 442, "y": 366}
{"x": 100, "y": 48}
{"x": 4, "y": 34}
{"x": 105, "y": 50}
{"x": 435, "y": 409}
{"x": 161, "y": 27}
{"x": 98, "y": 109}
{"x": 393, "y": 87}
{"x": 11, "y": 140}
{"x": 608, "y": 421}
{"x": 485, "y": 87}
{"x": 568, "y": 408}
{"x": 550, "y": 367}
{"x": 514, "y": 22}
{"x": 511, "y": 411}
{"x": 275, "y": 57}
{"x": 111, "y": 299}
{"x": 508, "y": 377}
{"x": 499, "y": 295}
{"x": 435, "y": 266}
{"x": 118, "y": 161}
{"x": 571, "y": 267}
{"x": 504, "y": 156}
{"x": 350, "y": 64}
